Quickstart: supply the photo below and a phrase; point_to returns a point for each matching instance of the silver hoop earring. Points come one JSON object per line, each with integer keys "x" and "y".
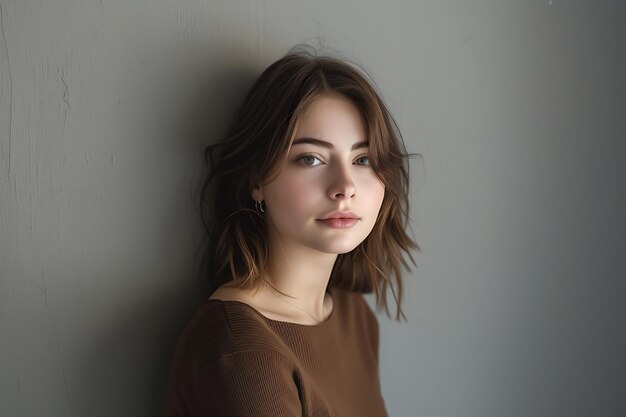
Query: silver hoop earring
{"x": 258, "y": 205}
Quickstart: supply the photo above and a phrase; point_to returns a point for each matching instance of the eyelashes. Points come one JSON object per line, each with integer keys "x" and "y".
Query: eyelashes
{"x": 365, "y": 157}
{"x": 304, "y": 159}
{"x": 312, "y": 157}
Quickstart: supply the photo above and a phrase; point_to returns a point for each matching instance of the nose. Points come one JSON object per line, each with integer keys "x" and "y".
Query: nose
{"x": 342, "y": 185}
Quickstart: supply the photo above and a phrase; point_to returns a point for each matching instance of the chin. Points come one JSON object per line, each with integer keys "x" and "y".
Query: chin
{"x": 337, "y": 248}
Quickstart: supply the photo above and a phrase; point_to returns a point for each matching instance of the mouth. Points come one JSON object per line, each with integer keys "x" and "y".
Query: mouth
{"x": 340, "y": 220}
{"x": 341, "y": 215}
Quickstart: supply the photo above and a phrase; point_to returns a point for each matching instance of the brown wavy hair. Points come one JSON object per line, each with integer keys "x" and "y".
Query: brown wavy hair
{"x": 259, "y": 140}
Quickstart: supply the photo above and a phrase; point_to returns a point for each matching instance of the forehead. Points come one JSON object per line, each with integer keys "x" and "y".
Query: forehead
{"x": 333, "y": 118}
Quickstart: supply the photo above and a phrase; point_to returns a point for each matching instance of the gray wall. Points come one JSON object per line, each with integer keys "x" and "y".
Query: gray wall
{"x": 517, "y": 305}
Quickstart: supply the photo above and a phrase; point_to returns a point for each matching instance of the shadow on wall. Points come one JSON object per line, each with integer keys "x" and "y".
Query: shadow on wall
{"x": 138, "y": 343}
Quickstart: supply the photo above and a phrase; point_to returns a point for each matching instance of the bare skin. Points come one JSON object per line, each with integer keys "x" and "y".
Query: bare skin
{"x": 268, "y": 304}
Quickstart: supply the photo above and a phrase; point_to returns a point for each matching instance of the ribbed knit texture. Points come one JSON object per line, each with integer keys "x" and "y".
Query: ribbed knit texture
{"x": 231, "y": 360}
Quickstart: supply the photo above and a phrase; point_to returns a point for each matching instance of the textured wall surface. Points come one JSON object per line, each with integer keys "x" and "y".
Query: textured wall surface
{"x": 517, "y": 307}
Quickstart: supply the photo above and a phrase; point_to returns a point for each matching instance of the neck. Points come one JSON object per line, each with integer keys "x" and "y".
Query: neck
{"x": 302, "y": 273}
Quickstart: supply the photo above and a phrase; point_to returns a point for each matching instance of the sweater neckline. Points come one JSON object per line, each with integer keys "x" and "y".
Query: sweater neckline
{"x": 281, "y": 322}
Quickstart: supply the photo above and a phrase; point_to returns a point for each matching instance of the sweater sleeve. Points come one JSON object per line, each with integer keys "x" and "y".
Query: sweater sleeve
{"x": 248, "y": 383}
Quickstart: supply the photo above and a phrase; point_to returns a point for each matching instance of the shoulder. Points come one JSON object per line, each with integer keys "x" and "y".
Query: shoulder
{"x": 366, "y": 312}
{"x": 228, "y": 362}
{"x": 360, "y": 318}
{"x": 228, "y": 292}
{"x": 245, "y": 296}
{"x": 220, "y": 328}
{"x": 243, "y": 383}
{"x": 357, "y": 304}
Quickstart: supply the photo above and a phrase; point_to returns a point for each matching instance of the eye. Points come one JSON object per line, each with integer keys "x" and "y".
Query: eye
{"x": 309, "y": 160}
{"x": 364, "y": 158}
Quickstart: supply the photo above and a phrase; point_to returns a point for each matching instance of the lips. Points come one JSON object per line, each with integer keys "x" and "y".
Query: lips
{"x": 340, "y": 215}
{"x": 340, "y": 219}
{"x": 339, "y": 223}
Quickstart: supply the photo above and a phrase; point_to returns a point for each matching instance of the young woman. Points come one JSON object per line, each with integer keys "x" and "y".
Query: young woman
{"x": 308, "y": 211}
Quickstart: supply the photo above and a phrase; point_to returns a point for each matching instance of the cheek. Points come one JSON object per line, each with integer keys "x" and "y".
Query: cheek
{"x": 291, "y": 197}
{"x": 381, "y": 194}
{"x": 374, "y": 191}
{"x": 378, "y": 196}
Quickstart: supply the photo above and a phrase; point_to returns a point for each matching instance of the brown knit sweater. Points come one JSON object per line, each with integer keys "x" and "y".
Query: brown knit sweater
{"x": 231, "y": 360}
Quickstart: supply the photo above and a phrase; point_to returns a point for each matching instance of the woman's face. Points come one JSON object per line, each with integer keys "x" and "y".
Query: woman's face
{"x": 326, "y": 171}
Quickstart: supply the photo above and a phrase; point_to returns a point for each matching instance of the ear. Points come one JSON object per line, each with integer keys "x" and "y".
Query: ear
{"x": 256, "y": 192}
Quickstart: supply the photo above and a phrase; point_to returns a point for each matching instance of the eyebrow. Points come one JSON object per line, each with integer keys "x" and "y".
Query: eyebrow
{"x": 324, "y": 144}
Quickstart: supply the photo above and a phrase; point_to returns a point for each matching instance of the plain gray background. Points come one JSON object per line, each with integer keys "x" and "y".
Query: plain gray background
{"x": 517, "y": 306}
